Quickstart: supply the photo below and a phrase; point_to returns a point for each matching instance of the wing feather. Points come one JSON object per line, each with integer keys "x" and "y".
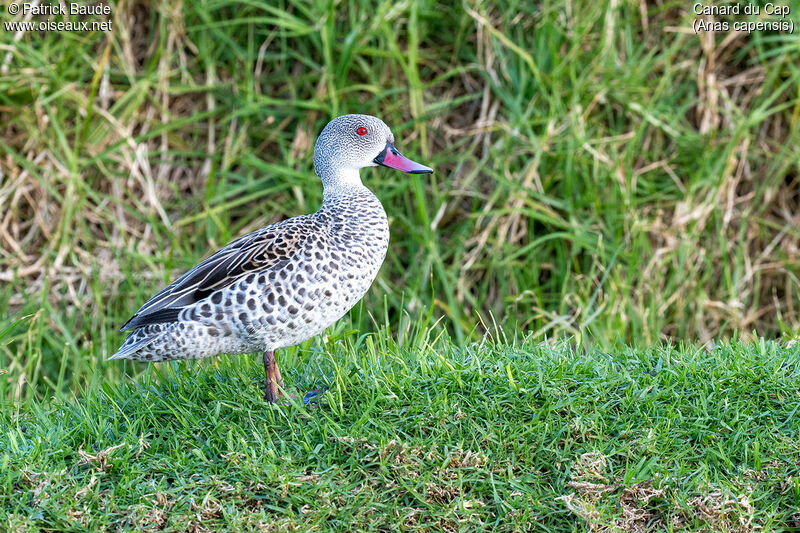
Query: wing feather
{"x": 257, "y": 252}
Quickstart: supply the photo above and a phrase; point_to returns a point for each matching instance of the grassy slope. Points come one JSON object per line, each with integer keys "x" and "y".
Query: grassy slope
{"x": 505, "y": 435}
{"x": 599, "y": 172}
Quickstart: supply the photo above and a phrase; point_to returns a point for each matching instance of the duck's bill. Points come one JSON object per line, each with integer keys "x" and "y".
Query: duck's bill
{"x": 392, "y": 158}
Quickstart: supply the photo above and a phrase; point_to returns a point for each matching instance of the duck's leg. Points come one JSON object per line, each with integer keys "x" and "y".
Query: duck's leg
{"x": 273, "y": 375}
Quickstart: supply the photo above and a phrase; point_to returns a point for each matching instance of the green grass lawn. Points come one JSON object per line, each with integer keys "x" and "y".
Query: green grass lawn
{"x": 508, "y": 436}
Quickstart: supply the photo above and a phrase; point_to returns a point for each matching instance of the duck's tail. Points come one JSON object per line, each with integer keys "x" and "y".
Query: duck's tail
{"x": 129, "y": 348}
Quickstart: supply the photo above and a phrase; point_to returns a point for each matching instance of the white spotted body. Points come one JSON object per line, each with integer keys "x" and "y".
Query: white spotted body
{"x": 287, "y": 282}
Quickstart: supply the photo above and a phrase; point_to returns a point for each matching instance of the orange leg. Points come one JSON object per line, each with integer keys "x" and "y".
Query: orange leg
{"x": 274, "y": 379}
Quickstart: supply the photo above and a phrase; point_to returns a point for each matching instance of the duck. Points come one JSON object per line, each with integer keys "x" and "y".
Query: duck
{"x": 287, "y": 282}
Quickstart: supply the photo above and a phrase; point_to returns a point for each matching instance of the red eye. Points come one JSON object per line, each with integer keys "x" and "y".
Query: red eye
{"x": 361, "y": 131}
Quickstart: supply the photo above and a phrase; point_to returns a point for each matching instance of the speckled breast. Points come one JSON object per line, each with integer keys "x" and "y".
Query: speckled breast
{"x": 336, "y": 266}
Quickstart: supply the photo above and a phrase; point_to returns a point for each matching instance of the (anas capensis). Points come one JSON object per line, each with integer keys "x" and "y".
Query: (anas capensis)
{"x": 287, "y": 282}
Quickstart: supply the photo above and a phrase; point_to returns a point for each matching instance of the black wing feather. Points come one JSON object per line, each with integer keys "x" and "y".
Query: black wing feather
{"x": 168, "y": 314}
{"x": 259, "y": 251}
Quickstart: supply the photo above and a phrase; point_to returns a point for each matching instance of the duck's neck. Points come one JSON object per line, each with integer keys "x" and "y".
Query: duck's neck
{"x": 340, "y": 181}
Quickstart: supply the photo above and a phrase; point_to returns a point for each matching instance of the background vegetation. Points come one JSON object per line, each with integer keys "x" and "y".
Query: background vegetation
{"x": 603, "y": 176}
{"x": 601, "y": 171}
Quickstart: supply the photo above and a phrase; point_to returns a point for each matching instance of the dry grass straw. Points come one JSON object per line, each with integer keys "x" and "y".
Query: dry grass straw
{"x": 102, "y": 173}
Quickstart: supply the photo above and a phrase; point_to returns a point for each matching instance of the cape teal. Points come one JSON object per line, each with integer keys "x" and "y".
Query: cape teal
{"x": 287, "y": 282}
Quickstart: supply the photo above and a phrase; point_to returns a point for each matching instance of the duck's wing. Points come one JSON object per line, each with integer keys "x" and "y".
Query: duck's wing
{"x": 259, "y": 251}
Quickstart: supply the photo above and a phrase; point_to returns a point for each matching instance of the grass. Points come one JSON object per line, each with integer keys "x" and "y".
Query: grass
{"x": 603, "y": 178}
{"x": 424, "y": 435}
{"x": 600, "y": 173}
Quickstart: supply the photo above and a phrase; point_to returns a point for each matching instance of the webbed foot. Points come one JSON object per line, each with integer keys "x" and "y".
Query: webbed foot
{"x": 312, "y": 397}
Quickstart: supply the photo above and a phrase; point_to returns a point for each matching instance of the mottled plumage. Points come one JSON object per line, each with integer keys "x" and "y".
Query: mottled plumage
{"x": 287, "y": 282}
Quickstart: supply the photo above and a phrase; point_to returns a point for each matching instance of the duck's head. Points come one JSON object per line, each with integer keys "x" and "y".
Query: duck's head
{"x": 351, "y": 142}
